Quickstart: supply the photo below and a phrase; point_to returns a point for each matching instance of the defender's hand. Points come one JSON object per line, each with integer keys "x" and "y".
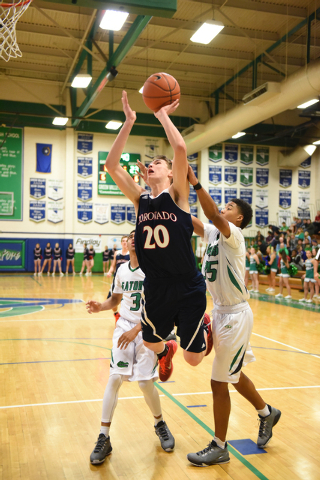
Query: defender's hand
{"x": 93, "y": 306}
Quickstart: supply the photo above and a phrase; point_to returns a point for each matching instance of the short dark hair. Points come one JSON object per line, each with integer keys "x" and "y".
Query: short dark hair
{"x": 165, "y": 158}
{"x": 245, "y": 210}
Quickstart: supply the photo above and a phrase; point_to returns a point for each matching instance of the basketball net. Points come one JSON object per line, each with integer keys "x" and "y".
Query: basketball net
{"x": 9, "y": 15}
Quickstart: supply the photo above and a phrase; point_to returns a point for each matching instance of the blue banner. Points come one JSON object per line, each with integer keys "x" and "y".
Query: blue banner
{"x": 37, "y": 211}
{"x": 304, "y": 179}
{"x": 37, "y": 188}
{"x": 118, "y": 214}
{"x": 195, "y": 169}
{"x": 230, "y": 175}
{"x": 285, "y": 178}
{"x": 194, "y": 211}
{"x": 192, "y": 196}
{"x": 262, "y": 217}
{"x": 193, "y": 157}
{"x": 285, "y": 199}
{"x": 306, "y": 163}
{"x": 215, "y": 174}
{"x": 84, "y": 166}
{"x": 84, "y": 190}
{"x": 84, "y": 212}
{"x": 229, "y": 194}
{"x": 85, "y": 143}
{"x": 216, "y": 195}
{"x": 230, "y": 152}
{"x": 12, "y": 253}
{"x": 246, "y": 195}
{"x": 303, "y": 214}
{"x": 131, "y": 214}
{"x": 262, "y": 177}
{"x": 44, "y": 154}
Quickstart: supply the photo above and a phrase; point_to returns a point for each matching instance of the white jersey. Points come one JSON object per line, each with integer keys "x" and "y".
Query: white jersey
{"x": 129, "y": 282}
{"x": 224, "y": 266}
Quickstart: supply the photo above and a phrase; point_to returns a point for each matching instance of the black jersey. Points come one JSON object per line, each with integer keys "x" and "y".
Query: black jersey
{"x": 48, "y": 252}
{"x": 70, "y": 253}
{"x": 37, "y": 252}
{"x": 85, "y": 254}
{"x": 57, "y": 253}
{"x": 106, "y": 255}
{"x": 91, "y": 253}
{"x": 120, "y": 259}
{"x": 162, "y": 239}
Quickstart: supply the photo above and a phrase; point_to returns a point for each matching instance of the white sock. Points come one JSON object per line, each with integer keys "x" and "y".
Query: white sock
{"x": 219, "y": 442}
{"x": 105, "y": 430}
{"x": 157, "y": 420}
{"x": 265, "y": 412}
{"x": 152, "y": 398}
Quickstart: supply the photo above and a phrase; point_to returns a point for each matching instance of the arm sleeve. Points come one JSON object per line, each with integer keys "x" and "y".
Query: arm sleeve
{"x": 236, "y": 237}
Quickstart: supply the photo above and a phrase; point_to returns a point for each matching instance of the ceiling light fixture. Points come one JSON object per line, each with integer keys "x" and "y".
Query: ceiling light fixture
{"x": 317, "y": 142}
{"x": 113, "y": 20}
{"x": 207, "y": 32}
{"x": 113, "y": 125}
{"x": 238, "y": 135}
{"x": 309, "y": 149}
{"x": 81, "y": 80}
{"x": 307, "y": 104}
{"x": 61, "y": 121}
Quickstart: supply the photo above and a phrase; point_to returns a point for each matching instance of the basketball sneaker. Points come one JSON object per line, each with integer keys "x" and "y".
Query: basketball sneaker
{"x": 279, "y": 295}
{"x": 266, "y": 424}
{"x": 211, "y": 455}
{"x": 172, "y": 336}
{"x": 165, "y": 436}
{"x": 302, "y": 300}
{"x": 116, "y": 316}
{"x": 101, "y": 450}
{"x": 208, "y": 329}
{"x": 165, "y": 362}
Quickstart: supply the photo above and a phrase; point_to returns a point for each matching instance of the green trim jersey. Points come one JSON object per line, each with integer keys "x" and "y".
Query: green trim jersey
{"x": 129, "y": 282}
{"x": 247, "y": 262}
{"x": 224, "y": 265}
{"x": 253, "y": 264}
{"x": 309, "y": 269}
{"x": 274, "y": 264}
{"x": 283, "y": 267}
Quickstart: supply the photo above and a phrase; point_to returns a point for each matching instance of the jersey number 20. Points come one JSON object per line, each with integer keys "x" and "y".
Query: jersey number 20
{"x": 155, "y": 233}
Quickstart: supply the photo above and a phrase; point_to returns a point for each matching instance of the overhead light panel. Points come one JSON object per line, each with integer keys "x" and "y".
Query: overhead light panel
{"x": 238, "y": 135}
{"x": 61, "y": 121}
{"x": 81, "y": 80}
{"x": 207, "y": 32}
{"x": 113, "y": 125}
{"x": 307, "y": 104}
{"x": 113, "y": 20}
{"x": 317, "y": 142}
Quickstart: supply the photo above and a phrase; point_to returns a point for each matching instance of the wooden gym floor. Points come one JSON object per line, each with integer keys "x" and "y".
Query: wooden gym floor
{"x": 54, "y": 367}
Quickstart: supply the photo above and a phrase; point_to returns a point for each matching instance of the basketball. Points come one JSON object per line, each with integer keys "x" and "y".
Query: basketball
{"x": 159, "y": 90}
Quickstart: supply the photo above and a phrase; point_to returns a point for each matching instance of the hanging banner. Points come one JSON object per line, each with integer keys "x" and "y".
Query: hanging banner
{"x": 284, "y": 216}
{"x": 246, "y": 195}
{"x": 55, "y": 211}
{"x": 229, "y": 194}
{"x": 194, "y": 211}
{"x": 193, "y": 157}
{"x": 304, "y": 179}
{"x": 230, "y": 175}
{"x": 152, "y": 147}
{"x": 195, "y": 169}
{"x": 215, "y": 174}
{"x": 118, "y": 214}
{"x": 55, "y": 189}
{"x": 84, "y": 190}
{"x": 85, "y": 143}
{"x": 84, "y": 212}
{"x": 262, "y": 217}
{"x": 303, "y": 214}
{"x": 303, "y": 200}
{"x": 246, "y": 154}
{"x": 231, "y": 153}
{"x": 262, "y": 177}
{"x": 131, "y": 214}
{"x": 192, "y": 196}
{"x": 246, "y": 176}
{"x": 44, "y": 155}
{"x": 37, "y": 188}
{"x": 285, "y": 178}
{"x": 262, "y": 157}
{"x": 306, "y": 163}
{"x": 215, "y": 153}
{"x": 94, "y": 240}
{"x": 37, "y": 211}
{"x": 261, "y": 198}
{"x": 100, "y": 213}
{"x": 285, "y": 199}
{"x": 216, "y": 195}
{"x": 84, "y": 166}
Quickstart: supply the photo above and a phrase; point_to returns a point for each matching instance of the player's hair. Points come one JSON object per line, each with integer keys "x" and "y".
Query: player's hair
{"x": 165, "y": 158}
{"x": 133, "y": 231}
{"x": 124, "y": 236}
{"x": 283, "y": 255}
{"x": 245, "y": 210}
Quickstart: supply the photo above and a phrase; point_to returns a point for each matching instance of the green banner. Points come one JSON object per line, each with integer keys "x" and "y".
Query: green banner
{"x": 246, "y": 154}
{"x": 215, "y": 153}
{"x": 128, "y": 161}
{"x": 246, "y": 176}
{"x": 11, "y": 173}
{"x": 262, "y": 155}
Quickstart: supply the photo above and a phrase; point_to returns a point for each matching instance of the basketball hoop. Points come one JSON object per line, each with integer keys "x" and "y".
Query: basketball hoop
{"x": 9, "y": 15}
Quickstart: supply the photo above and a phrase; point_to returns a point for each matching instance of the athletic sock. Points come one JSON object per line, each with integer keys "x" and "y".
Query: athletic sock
{"x": 158, "y": 420}
{"x": 220, "y": 443}
{"x": 164, "y": 352}
{"x": 105, "y": 431}
{"x": 265, "y": 412}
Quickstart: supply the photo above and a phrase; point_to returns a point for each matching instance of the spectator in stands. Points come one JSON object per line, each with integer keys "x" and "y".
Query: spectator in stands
{"x": 259, "y": 236}
{"x": 262, "y": 245}
{"x": 269, "y": 237}
{"x": 300, "y": 234}
{"x": 37, "y": 255}
{"x": 301, "y": 251}
{"x": 291, "y": 242}
{"x": 299, "y": 224}
{"x": 283, "y": 227}
{"x": 306, "y": 239}
{"x": 70, "y": 258}
{"x": 304, "y": 225}
{"x": 47, "y": 258}
{"x": 314, "y": 243}
{"x": 310, "y": 227}
{"x": 281, "y": 243}
{"x": 293, "y": 225}
{"x": 274, "y": 229}
{"x": 316, "y": 223}
{"x": 296, "y": 259}
{"x": 275, "y": 240}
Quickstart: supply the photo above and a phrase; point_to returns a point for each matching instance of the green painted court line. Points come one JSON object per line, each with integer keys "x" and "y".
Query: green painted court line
{"x": 36, "y": 280}
{"x": 310, "y": 307}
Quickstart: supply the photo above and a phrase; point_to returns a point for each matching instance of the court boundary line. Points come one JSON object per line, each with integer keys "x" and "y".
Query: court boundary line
{"x": 285, "y": 345}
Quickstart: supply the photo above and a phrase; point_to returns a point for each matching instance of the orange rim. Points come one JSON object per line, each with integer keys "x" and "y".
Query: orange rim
{"x": 16, "y": 4}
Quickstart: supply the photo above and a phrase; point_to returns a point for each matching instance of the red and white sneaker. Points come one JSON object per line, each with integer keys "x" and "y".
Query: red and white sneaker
{"x": 116, "y": 316}
{"x": 208, "y": 329}
{"x": 165, "y": 363}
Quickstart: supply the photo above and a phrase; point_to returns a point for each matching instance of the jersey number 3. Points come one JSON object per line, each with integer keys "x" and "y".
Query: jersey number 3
{"x": 155, "y": 233}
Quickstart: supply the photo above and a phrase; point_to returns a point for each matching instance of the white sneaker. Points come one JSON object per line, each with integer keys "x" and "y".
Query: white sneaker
{"x": 256, "y": 291}
{"x": 80, "y": 273}
{"x": 105, "y": 274}
{"x": 309, "y": 301}
{"x": 74, "y": 273}
{"x": 302, "y": 300}
{"x": 67, "y": 273}
{"x": 279, "y": 295}
{"x": 87, "y": 274}
{"x": 48, "y": 273}
{"x": 61, "y": 274}
{"x": 268, "y": 289}
{"x": 90, "y": 274}
{"x": 35, "y": 274}
{"x": 53, "y": 274}
{"x": 39, "y": 274}
{"x": 271, "y": 290}
{"x": 288, "y": 297}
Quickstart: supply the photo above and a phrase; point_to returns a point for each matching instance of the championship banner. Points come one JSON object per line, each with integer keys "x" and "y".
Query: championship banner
{"x": 100, "y": 213}
{"x": 55, "y": 211}
{"x": 37, "y": 188}
{"x": 84, "y": 166}
{"x": 216, "y": 195}
{"x": 192, "y": 196}
{"x": 230, "y": 175}
{"x": 262, "y": 177}
{"x": 246, "y": 176}
{"x": 194, "y": 211}
{"x": 152, "y": 147}
{"x": 306, "y": 163}
{"x": 303, "y": 200}
{"x": 195, "y": 169}
{"x": 215, "y": 174}
{"x": 303, "y": 214}
{"x": 262, "y": 218}
{"x": 37, "y": 211}
{"x": 93, "y": 240}
{"x": 131, "y": 214}
{"x": 284, "y": 216}
{"x": 118, "y": 214}
{"x": 231, "y": 153}
{"x": 193, "y": 157}
{"x": 229, "y": 194}
{"x": 246, "y": 195}
{"x": 246, "y": 154}
{"x": 215, "y": 153}
{"x": 85, "y": 143}
{"x": 44, "y": 154}
{"x": 261, "y": 198}
{"x": 55, "y": 189}
{"x": 262, "y": 157}
{"x": 285, "y": 199}
{"x": 84, "y": 212}
{"x": 285, "y": 178}
{"x": 304, "y": 179}
{"x": 84, "y": 190}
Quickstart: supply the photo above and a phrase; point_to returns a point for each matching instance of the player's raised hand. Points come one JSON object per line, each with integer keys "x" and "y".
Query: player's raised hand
{"x": 191, "y": 176}
{"x": 143, "y": 172}
{"x": 168, "y": 109}
{"x": 129, "y": 113}
{"x": 93, "y": 306}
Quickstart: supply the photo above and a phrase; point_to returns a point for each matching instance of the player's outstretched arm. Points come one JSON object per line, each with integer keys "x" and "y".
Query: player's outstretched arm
{"x": 120, "y": 176}
{"x": 96, "y": 307}
{"x": 209, "y": 208}
{"x": 198, "y": 227}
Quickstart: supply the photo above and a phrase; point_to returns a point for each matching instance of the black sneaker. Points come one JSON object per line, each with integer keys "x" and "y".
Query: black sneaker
{"x": 211, "y": 455}
{"x": 171, "y": 336}
{"x": 266, "y": 424}
{"x": 166, "y": 437}
{"x": 101, "y": 450}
